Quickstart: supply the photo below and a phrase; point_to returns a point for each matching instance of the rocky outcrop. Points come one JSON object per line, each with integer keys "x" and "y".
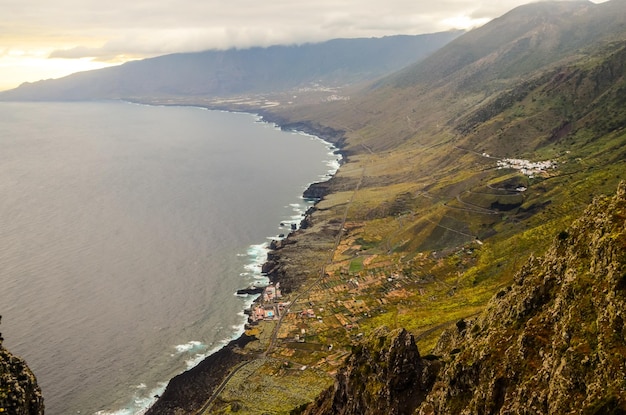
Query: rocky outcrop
{"x": 250, "y": 290}
{"x": 319, "y": 190}
{"x": 551, "y": 343}
{"x": 384, "y": 375}
{"x": 19, "y": 392}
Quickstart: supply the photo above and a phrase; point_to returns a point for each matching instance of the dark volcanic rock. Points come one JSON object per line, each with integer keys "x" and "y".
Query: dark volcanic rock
{"x": 307, "y": 222}
{"x": 281, "y": 243}
{"x": 317, "y": 191}
{"x": 268, "y": 267}
{"x": 250, "y": 291}
{"x": 384, "y": 375}
{"x": 187, "y": 392}
{"x": 337, "y": 137}
{"x": 19, "y": 392}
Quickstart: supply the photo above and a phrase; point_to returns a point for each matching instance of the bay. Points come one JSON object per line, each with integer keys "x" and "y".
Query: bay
{"x": 125, "y": 231}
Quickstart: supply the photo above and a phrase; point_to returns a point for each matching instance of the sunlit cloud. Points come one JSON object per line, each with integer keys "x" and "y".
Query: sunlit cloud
{"x": 464, "y": 22}
{"x": 69, "y": 35}
{"x": 19, "y": 66}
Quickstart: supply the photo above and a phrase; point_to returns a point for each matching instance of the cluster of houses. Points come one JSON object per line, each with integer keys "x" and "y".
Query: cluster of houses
{"x": 271, "y": 293}
{"x": 310, "y": 313}
{"x": 269, "y": 308}
{"x": 526, "y": 167}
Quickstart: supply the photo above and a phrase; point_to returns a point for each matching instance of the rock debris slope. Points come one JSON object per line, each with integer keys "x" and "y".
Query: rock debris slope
{"x": 551, "y": 343}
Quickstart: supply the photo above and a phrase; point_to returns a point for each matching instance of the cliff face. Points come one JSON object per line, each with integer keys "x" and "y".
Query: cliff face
{"x": 552, "y": 343}
{"x": 19, "y": 392}
{"x": 384, "y": 375}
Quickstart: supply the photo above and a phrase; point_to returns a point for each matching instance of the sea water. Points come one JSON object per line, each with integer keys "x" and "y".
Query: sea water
{"x": 125, "y": 231}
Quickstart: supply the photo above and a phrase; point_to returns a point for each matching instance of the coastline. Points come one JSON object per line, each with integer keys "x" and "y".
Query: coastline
{"x": 189, "y": 390}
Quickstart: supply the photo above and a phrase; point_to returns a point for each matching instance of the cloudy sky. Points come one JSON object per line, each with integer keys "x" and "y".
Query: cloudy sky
{"x": 42, "y": 39}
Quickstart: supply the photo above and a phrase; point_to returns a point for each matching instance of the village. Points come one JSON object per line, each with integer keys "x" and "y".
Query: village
{"x": 269, "y": 308}
{"x": 527, "y": 167}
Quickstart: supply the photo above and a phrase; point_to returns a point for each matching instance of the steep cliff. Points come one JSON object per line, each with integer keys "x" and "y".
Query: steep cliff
{"x": 551, "y": 343}
{"x": 19, "y": 392}
{"x": 384, "y": 375}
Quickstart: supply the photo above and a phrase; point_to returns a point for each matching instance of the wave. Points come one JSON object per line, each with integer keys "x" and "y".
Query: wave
{"x": 140, "y": 402}
{"x": 199, "y": 357}
{"x": 194, "y": 344}
{"x": 257, "y": 255}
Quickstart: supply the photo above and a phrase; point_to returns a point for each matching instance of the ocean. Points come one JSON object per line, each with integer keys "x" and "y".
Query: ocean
{"x": 125, "y": 231}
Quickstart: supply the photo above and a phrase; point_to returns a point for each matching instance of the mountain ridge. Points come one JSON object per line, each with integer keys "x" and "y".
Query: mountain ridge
{"x": 444, "y": 86}
{"x": 240, "y": 71}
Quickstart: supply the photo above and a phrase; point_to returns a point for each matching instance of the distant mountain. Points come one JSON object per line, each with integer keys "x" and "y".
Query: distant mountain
{"x": 515, "y": 44}
{"x": 546, "y": 81}
{"x": 524, "y": 40}
{"x": 241, "y": 71}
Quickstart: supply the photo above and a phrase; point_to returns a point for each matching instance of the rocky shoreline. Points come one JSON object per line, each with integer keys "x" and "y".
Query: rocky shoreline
{"x": 188, "y": 391}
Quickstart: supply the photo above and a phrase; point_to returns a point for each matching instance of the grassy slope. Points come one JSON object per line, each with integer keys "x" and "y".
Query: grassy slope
{"x": 428, "y": 188}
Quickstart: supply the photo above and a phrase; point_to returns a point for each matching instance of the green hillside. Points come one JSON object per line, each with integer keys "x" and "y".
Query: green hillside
{"x": 435, "y": 149}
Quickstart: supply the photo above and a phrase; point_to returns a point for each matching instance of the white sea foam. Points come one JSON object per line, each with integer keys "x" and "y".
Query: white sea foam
{"x": 257, "y": 255}
{"x": 247, "y": 303}
{"x": 193, "y": 362}
{"x": 182, "y": 348}
{"x": 255, "y": 251}
{"x": 199, "y": 357}
{"x": 140, "y": 402}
